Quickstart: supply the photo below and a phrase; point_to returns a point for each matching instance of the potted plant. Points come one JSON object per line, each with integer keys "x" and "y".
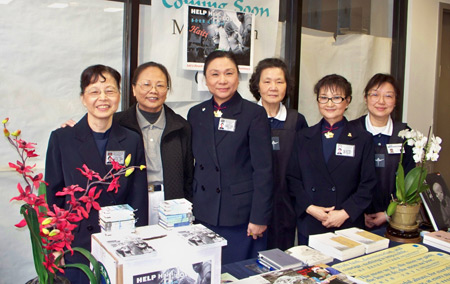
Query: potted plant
{"x": 51, "y": 227}
{"x": 405, "y": 207}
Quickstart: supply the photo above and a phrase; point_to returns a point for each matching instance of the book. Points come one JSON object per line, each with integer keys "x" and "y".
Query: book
{"x": 436, "y": 200}
{"x": 309, "y": 255}
{"x": 372, "y": 242}
{"x": 279, "y": 259}
{"x": 438, "y": 239}
{"x": 337, "y": 246}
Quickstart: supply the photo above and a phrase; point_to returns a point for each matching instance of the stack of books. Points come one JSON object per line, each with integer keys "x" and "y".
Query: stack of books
{"x": 309, "y": 255}
{"x": 438, "y": 239}
{"x": 276, "y": 259}
{"x": 372, "y": 242}
{"x": 337, "y": 246}
{"x": 175, "y": 213}
{"x": 198, "y": 235}
{"x": 117, "y": 219}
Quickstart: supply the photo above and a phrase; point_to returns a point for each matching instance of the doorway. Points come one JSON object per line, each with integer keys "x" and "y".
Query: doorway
{"x": 442, "y": 99}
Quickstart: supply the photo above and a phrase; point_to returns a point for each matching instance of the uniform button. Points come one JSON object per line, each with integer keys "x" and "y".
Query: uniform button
{"x": 313, "y": 189}
{"x": 203, "y": 187}
{"x": 333, "y": 188}
{"x": 217, "y": 169}
{"x": 218, "y": 190}
{"x": 379, "y": 144}
{"x": 90, "y": 228}
{"x": 201, "y": 167}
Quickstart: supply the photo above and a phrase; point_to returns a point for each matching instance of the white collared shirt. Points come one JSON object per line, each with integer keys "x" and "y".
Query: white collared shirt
{"x": 385, "y": 130}
{"x": 282, "y": 112}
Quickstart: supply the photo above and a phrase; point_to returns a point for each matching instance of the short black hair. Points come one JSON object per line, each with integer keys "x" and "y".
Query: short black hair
{"x": 219, "y": 54}
{"x": 146, "y": 65}
{"x": 334, "y": 82}
{"x": 379, "y": 79}
{"x": 270, "y": 63}
{"x": 92, "y": 74}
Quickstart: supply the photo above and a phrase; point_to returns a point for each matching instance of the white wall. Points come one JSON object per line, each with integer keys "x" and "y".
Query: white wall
{"x": 421, "y": 56}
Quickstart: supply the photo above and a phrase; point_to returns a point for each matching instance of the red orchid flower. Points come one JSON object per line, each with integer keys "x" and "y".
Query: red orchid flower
{"x": 89, "y": 173}
{"x": 114, "y": 185}
{"x": 31, "y": 153}
{"x": 90, "y": 199}
{"x": 24, "y": 195}
{"x": 49, "y": 263}
{"x": 116, "y": 166}
{"x": 70, "y": 190}
{"x": 37, "y": 180}
{"x": 24, "y": 145}
{"x": 21, "y": 168}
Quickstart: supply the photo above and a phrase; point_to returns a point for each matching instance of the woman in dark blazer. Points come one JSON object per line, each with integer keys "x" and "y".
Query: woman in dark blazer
{"x": 271, "y": 85}
{"x": 331, "y": 171}
{"x": 233, "y": 162}
{"x": 91, "y": 141}
{"x": 381, "y": 95}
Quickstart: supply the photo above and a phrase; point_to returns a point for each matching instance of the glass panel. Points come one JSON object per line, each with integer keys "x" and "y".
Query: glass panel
{"x": 44, "y": 48}
{"x": 352, "y": 38}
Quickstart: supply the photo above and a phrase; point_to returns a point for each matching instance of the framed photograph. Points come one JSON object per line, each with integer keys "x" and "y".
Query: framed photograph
{"x": 209, "y": 29}
{"x": 436, "y": 200}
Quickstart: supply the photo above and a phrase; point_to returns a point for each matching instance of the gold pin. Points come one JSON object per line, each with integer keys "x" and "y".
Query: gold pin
{"x": 329, "y": 134}
{"x": 218, "y": 113}
{"x": 349, "y": 134}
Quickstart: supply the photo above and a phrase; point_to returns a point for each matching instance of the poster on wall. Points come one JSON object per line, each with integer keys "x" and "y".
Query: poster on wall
{"x": 210, "y": 29}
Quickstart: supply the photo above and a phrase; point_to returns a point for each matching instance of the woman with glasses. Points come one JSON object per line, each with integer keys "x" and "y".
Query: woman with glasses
{"x": 380, "y": 95}
{"x": 271, "y": 85}
{"x": 94, "y": 139}
{"x": 166, "y": 136}
{"x": 331, "y": 171}
{"x": 233, "y": 162}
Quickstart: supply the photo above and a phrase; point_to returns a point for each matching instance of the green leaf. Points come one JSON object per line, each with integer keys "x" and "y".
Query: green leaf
{"x": 86, "y": 270}
{"x": 413, "y": 182}
{"x": 400, "y": 183}
{"x": 391, "y": 208}
{"x": 36, "y": 242}
{"x": 43, "y": 190}
{"x": 92, "y": 260}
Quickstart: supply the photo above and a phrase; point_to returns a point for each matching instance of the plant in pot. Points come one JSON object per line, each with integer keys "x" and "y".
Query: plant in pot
{"x": 404, "y": 209}
{"x": 51, "y": 228}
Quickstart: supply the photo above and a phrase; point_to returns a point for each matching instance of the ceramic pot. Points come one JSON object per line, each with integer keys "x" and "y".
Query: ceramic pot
{"x": 57, "y": 280}
{"x": 405, "y": 218}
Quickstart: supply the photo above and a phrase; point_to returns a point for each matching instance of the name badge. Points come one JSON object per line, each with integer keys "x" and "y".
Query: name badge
{"x": 345, "y": 150}
{"x": 394, "y": 148}
{"x": 227, "y": 124}
{"x": 276, "y": 143}
{"x": 118, "y": 156}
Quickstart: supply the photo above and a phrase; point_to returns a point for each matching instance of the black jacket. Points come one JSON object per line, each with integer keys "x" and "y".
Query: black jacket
{"x": 176, "y": 151}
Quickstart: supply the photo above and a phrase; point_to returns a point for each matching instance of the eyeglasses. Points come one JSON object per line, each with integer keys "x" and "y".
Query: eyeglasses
{"x": 96, "y": 92}
{"x": 376, "y": 96}
{"x": 334, "y": 99}
{"x": 147, "y": 86}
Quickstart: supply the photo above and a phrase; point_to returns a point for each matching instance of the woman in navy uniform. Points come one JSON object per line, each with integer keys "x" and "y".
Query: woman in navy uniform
{"x": 271, "y": 85}
{"x": 232, "y": 184}
{"x": 331, "y": 172}
{"x": 91, "y": 141}
{"x": 380, "y": 95}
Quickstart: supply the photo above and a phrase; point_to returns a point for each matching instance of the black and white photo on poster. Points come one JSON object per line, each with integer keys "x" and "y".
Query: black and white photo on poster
{"x": 210, "y": 29}
{"x": 132, "y": 247}
{"x": 195, "y": 273}
{"x": 436, "y": 200}
{"x": 199, "y": 235}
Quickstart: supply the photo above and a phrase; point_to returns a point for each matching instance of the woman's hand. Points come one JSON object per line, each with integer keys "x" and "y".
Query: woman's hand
{"x": 319, "y": 212}
{"x": 255, "y": 230}
{"x": 375, "y": 219}
{"x": 335, "y": 218}
{"x": 70, "y": 123}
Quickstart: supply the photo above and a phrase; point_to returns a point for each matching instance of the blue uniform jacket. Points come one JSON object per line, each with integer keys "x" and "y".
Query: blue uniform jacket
{"x": 233, "y": 170}
{"x": 71, "y": 147}
{"x": 344, "y": 182}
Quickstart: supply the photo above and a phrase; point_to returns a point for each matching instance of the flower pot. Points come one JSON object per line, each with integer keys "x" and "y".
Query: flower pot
{"x": 58, "y": 280}
{"x": 405, "y": 217}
